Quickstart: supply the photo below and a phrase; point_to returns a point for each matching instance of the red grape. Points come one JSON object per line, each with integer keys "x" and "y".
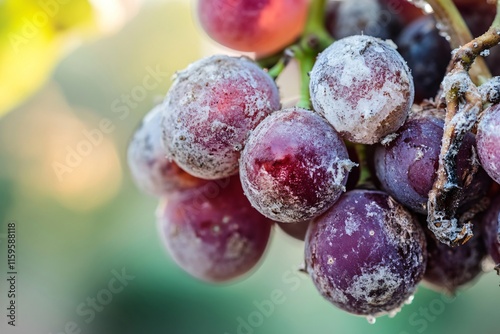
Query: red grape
{"x": 363, "y": 87}
{"x": 294, "y": 166}
{"x": 366, "y": 254}
{"x": 214, "y": 235}
{"x": 448, "y": 268}
{"x": 210, "y": 110}
{"x": 262, "y": 26}
{"x": 151, "y": 170}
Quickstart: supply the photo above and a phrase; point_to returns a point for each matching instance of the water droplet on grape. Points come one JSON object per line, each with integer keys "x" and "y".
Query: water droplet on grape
{"x": 371, "y": 319}
{"x": 410, "y": 300}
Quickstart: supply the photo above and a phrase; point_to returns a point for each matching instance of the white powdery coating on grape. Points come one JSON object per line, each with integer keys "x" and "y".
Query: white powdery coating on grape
{"x": 488, "y": 142}
{"x": 146, "y": 156}
{"x": 373, "y": 279}
{"x": 276, "y": 200}
{"x": 335, "y": 84}
{"x": 210, "y": 110}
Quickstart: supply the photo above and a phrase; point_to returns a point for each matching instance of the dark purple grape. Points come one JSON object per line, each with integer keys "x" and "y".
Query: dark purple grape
{"x": 212, "y": 232}
{"x": 491, "y": 230}
{"x": 363, "y": 87}
{"x": 296, "y": 230}
{"x": 488, "y": 141}
{"x": 151, "y": 170}
{"x": 406, "y": 167}
{"x": 366, "y": 254}
{"x": 449, "y": 268}
{"x": 367, "y": 17}
{"x": 427, "y": 54}
{"x": 406, "y": 11}
{"x": 479, "y": 15}
{"x": 294, "y": 166}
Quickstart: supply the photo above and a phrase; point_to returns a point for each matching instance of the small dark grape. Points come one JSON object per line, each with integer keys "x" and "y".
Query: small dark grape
{"x": 366, "y": 254}
{"x": 294, "y": 166}
{"x": 212, "y": 232}
{"x": 297, "y": 230}
{"x": 449, "y": 268}
{"x": 367, "y": 17}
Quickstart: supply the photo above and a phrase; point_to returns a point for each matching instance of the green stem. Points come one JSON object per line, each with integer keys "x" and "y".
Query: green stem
{"x": 276, "y": 70}
{"x": 306, "y": 62}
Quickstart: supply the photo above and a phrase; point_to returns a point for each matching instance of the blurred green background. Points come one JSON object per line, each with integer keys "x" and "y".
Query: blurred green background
{"x": 80, "y": 225}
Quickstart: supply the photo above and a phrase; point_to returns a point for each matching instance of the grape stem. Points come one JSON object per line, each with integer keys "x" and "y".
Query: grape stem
{"x": 464, "y": 107}
{"x": 314, "y": 39}
{"x": 453, "y": 25}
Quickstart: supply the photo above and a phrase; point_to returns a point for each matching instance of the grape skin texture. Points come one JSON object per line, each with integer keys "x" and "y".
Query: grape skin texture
{"x": 152, "y": 172}
{"x": 427, "y": 54}
{"x": 491, "y": 229}
{"x": 451, "y": 267}
{"x": 488, "y": 141}
{"x": 213, "y": 232}
{"x": 262, "y": 26}
{"x": 210, "y": 110}
{"x": 363, "y": 87}
{"x": 294, "y": 166}
{"x": 406, "y": 167}
{"x": 366, "y": 254}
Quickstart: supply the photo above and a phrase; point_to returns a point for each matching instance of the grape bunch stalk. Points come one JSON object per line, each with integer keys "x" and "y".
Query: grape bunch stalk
{"x": 388, "y": 166}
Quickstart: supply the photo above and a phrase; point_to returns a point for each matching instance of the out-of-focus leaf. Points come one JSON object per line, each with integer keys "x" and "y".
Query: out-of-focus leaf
{"x": 33, "y": 36}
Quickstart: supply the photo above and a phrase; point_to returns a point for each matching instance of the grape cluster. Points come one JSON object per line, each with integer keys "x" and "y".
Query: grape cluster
{"x": 349, "y": 170}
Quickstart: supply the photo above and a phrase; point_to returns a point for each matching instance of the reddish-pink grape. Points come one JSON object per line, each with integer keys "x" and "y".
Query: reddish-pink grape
{"x": 488, "y": 141}
{"x": 363, "y": 87}
{"x": 294, "y": 166}
{"x": 151, "y": 170}
{"x": 213, "y": 232}
{"x": 262, "y": 26}
{"x": 366, "y": 254}
{"x": 210, "y": 110}
{"x": 406, "y": 167}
